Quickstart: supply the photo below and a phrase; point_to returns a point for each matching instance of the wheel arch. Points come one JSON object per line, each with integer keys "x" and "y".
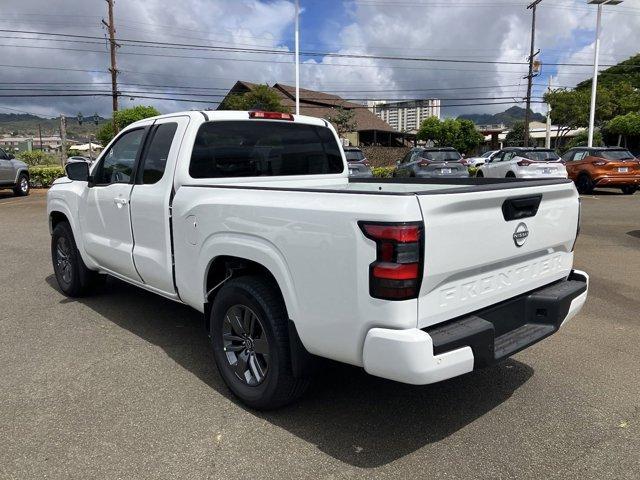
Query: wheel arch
{"x": 21, "y": 171}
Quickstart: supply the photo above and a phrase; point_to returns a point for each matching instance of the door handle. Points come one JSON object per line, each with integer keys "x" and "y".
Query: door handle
{"x": 120, "y": 202}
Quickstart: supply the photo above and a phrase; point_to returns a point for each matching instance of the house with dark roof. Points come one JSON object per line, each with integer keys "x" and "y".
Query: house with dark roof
{"x": 369, "y": 129}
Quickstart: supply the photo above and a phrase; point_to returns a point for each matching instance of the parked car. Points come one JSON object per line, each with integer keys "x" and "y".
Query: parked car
{"x": 251, "y": 219}
{"x": 358, "y": 164}
{"x": 481, "y": 160}
{"x": 523, "y": 162}
{"x": 14, "y": 174}
{"x": 428, "y": 162}
{"x": 612, "y": 167}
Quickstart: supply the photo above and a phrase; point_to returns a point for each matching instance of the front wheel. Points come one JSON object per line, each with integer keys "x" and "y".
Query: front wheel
{"x": 22, "y": 186}
{"x": 511, "y": 175}
{"x": 629, "y": 189}
{"x": 73, "y": 276}
{"x": 250, "y": 339}
{"x": 479, "y": 174}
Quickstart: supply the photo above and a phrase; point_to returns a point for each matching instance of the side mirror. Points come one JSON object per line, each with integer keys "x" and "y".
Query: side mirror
{"x": 10, "y": 156}
{"x": 78, "y": 171}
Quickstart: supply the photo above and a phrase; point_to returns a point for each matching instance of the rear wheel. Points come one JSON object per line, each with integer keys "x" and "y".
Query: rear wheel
{"x": 73, "y": 276}
{"x": 584, "y": 184}
{"x": 629, "y": 189}
{"x": 250, "y": 339}
{"x": 22, "y": 186}
{"x": 511, "y": 175}
{"x": 479, "y": 174}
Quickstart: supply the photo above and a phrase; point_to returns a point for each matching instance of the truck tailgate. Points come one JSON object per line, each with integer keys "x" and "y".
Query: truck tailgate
{"x": 476, "y": 255}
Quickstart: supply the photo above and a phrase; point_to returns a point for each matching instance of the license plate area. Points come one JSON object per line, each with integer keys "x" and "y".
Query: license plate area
{"x": 445, "y": 171}
{"x": 623, "y": 169}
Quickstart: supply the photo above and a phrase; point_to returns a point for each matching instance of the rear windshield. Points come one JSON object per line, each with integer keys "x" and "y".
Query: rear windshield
{"x": 540, "y": 155}
{"x": 441, "y": 156}
{"x": 614, "y": 154}
{"x": 353, "y": 155}
{"x": 263, "y": 148}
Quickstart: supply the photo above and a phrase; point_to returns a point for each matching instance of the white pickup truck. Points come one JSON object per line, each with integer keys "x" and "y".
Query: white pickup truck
{"x": 251, "y": 219}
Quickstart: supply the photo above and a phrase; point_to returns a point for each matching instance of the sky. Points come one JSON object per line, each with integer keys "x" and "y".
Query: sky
{"x": 174, "y": 65}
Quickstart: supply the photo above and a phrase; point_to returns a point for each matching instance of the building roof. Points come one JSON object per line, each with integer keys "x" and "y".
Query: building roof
{"x": 319, "y": 104}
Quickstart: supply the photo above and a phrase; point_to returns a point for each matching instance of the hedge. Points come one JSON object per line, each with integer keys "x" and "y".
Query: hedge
{"x": 43, "y": 176}
{"x": 383, "y": 172}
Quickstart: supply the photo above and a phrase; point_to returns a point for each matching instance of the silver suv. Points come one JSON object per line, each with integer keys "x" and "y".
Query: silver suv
{"x": 13, "y": 174}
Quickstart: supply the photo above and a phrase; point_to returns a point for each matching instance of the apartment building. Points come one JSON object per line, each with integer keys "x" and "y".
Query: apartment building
{"x": 405, "y": 116}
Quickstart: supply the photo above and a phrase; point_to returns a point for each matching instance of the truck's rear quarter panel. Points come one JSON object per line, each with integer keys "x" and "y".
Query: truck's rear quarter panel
{"x": 311, "y": 243}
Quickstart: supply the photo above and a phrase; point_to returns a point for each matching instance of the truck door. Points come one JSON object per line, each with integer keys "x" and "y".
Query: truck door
{"x": 150, "y": 200}
{"x": 106, "y": 221}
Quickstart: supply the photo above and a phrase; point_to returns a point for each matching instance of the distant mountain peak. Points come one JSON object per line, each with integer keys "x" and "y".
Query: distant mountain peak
{"x": 508, "y": 117}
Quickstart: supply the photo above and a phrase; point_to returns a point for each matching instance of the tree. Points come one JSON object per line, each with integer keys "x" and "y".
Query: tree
{"x": 460, "y": 134}
{"x": 625, "y": 125}
{"x": 515, "y": 137}
{"x": 344, "y": 120}
{"x": 262, "y": 97}
{"x": 123, "y": 118}
{"x": 581, "y": 140}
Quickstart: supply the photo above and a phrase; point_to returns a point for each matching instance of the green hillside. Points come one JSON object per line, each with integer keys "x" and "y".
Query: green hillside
{"x": 508, "y": 117}
{"x": 21, "y": 124}
{"x": 624, "y": 72}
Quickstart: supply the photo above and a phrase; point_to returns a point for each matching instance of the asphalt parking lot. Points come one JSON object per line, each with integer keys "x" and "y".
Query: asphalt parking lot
{"x": 122, "y": 385}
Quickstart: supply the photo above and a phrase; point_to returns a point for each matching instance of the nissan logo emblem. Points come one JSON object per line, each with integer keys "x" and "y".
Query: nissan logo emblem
{"x": 521, "y": 234}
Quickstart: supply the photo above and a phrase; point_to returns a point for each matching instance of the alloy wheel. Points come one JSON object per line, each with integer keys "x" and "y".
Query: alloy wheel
{"x": 63, "y": 260}
{"x": 24, "y": 185}
{"x": 245, "y": 345}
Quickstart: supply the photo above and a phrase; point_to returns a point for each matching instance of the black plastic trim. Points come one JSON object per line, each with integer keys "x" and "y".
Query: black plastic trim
{"x": 504, "y": 329}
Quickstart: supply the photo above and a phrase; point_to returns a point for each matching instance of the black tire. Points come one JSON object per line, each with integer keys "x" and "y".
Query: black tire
{"x": 479, "y": 174}
{"x": 584, "y": 184}
{"x": 629, "y": 189}
{"x": 73, "y": 276}
{"x": 266, "y": 331}
{"x": 511, "y": 175}
{"x": 22, "y": 187}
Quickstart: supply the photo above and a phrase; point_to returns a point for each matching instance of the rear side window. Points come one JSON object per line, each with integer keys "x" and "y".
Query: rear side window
{"x": 258, "y": 148}
{"x": 155, "y": 160}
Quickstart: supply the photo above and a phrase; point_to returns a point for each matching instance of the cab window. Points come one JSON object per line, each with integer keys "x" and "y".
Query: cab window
{"x": 117, "y": 164}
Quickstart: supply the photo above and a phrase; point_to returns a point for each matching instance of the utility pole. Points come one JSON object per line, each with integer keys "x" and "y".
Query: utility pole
{"x": 114, "y": 70}
{"x": 547, "y": 141}
{"x": 40, "y": 135}
{"x": 529, "y": 77}
{"x": 63, "y": 139}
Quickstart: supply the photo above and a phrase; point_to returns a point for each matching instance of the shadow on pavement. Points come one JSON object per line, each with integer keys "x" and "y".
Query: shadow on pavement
{"x": 356, "y": 418}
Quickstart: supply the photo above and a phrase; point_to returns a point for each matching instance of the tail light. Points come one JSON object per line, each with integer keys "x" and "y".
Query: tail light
{"x": 365, "y": 161}
{"x": 599, "y": 163}
{"x": 270, "y": 115}
{"x": 464, "y": 162}
{"x": 579, "y": 222}
{"x": 397, "y": 272}
{"x": 424, "y": 163}
{"x": 524, "y": 163}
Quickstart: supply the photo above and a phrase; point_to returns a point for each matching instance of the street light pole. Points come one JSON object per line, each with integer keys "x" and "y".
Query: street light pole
{"x": 297, "y": 42}
{"x": 596, "y": 54}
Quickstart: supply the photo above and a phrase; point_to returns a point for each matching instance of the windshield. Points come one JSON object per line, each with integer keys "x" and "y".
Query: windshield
{"x": 444, "y": 156}
{"x": 256, "y": 148}
{"x": 615, "y": 154}
{"x": 540, "y": 155}
{"x": 353, "y": 155}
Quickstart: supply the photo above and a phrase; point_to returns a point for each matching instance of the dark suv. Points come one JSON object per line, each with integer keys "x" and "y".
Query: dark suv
{"x": 358, "y": 163}
{"x": 13, "y": 174}
{"x": 431, "y": 162}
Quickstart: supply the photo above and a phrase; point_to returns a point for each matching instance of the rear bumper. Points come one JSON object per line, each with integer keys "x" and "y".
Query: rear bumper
{"x": 447, "y": 350}
{"x": 617, "y": 181}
